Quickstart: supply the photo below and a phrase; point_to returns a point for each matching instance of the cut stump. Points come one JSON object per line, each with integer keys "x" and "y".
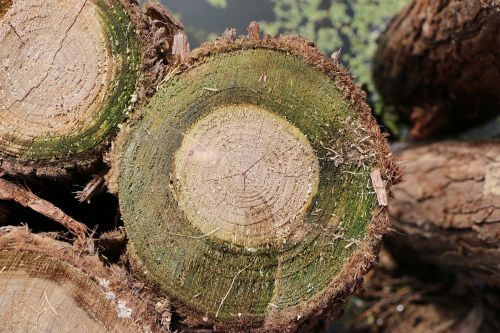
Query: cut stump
{"x": 246, "y": 185}
{"x": 46, "y": 286}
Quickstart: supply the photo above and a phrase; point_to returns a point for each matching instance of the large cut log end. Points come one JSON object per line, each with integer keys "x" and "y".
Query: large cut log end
{"x": 254, "y": 186}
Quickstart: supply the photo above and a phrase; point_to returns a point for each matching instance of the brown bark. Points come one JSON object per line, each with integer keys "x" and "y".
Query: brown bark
{"x": 439, "y": 63}
{"x": 448, "y": 209}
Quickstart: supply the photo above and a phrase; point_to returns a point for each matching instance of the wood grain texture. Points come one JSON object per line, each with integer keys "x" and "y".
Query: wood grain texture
{"x": 46, "y": 286}
{"x": 245, "y": 186}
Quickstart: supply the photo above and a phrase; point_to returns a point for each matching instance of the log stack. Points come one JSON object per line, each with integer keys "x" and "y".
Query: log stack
{"x": 251, "y": 181}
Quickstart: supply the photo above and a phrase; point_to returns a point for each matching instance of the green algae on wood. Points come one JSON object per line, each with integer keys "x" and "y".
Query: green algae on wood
{"x": 245, "y": 186}
{"x": 63, "y": 103}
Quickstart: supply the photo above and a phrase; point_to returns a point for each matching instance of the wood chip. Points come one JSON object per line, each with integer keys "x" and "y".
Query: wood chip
{"x": 379, "y": 186}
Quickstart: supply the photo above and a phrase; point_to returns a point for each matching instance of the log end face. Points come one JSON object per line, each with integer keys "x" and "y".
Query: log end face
{"x": 46, "y": 285}
{"x": 67, "y": 101}
{"x": 246, "y": 187}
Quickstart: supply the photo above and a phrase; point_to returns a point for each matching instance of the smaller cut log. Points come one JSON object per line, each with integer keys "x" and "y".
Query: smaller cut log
{"x": 70, "y": 73}
{"x": 448, "y": 209}
{"x": 439, "y": 63}
{"x": 46, "y": 286}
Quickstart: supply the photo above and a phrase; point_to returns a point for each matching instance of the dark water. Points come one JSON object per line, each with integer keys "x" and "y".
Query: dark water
{"x": 202, "y": 19}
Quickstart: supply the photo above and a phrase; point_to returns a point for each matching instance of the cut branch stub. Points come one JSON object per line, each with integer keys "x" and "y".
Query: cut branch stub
{"x": 245, "y": 187}
{"x": 46, "y": 286}
{"x": 69, "y": 75}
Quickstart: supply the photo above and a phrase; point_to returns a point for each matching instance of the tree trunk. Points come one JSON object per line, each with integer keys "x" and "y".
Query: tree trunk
{"x": 439, "y": 63}
{"x": 71, "y": 72}
{"x": 448, "y": 209}
{"x": 246, "y": 186}
{"x": 46, "y": 286}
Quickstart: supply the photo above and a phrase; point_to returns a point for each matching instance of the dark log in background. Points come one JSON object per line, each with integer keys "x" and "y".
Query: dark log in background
{"x": 438, "y": 62}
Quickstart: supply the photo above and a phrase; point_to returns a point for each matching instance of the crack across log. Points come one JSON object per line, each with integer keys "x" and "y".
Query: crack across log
{"x": 95, "y": 61}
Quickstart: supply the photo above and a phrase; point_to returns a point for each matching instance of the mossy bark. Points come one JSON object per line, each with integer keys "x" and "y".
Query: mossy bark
{"x": 447, "y": 209}
{"x": 62, "y": 105}
{"x": 439, "y": 63}
{"x": 47, "y": 286}
{"x": 219, "y": 211}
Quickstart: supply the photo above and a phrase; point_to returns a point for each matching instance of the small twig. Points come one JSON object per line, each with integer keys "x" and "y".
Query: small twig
{"x": 229, "y": 290}
{"x": 91, "y": 189}
{"x": 51, "y": 307}
{"x": 26, "y": 198}
{"x": 211, "y": 89}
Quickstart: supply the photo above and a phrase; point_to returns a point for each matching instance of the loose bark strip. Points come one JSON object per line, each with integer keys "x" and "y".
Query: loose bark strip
{"x": 447, "y": 211}
{"x": 439, "y": 63}
{"x": 233, "y": 199}
{"x": 12, "y": 192}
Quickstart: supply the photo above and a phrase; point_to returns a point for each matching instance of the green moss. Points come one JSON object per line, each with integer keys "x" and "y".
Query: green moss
{"x": 124, "y": 44}
{"x": 199, "y": 271}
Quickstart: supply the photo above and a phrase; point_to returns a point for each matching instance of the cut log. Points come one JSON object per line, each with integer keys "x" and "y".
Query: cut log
{"x": 246, "y": 185}
{"x": 45, "y": 286}
{"x": 71, "y": 71}
{"x": 448, "y": 208}
{"x": 439, "y": 63}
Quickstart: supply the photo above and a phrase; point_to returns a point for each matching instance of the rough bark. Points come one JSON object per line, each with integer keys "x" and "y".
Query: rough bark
{"x": 246, "y": 186}
{"x": 448, "y": 211}
{"x": 61, "y": 105}
{"x": 46, "y": 286}
{"x": 439, "y": 63}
